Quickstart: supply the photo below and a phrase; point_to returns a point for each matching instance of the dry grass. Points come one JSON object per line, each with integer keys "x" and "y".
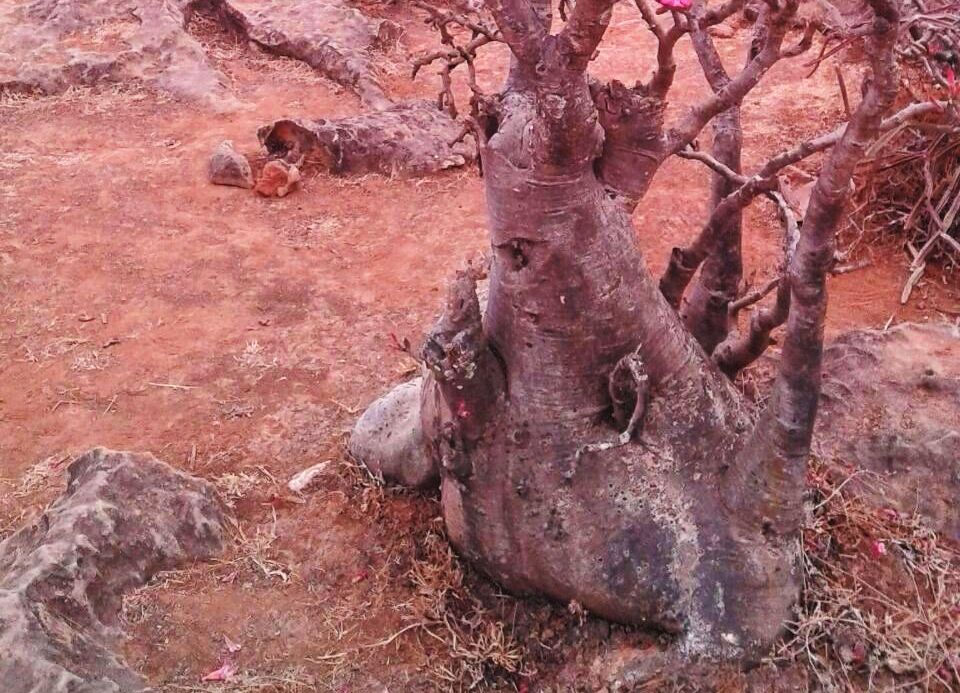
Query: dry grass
{"x": 90, "y": 361}
{"x": 86, "y": 100}
{"x": 881, "y": 596}
{"x": 476, "y": 647}
{"x": 39, "y": 476}
{"x": 254, "y": 357}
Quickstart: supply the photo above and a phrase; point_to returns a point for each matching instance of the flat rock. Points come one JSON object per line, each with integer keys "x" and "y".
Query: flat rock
{"x": 409, "y": 139}
{"x": 229, "y": 167}
{"x": 328, "y": 35}
{"x": 891, "y": 405}
{"x": 48, "y": 46}
{"x": 123, "y": 518}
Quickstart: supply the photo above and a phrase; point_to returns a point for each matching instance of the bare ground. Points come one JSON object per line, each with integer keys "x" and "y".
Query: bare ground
{"x": 238, "y": 338}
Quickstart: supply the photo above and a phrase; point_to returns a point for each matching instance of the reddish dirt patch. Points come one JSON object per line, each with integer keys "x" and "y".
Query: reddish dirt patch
{"x": 237, "y": 337}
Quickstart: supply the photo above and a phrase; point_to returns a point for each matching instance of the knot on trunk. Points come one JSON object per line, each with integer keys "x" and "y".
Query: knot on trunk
{"x": 452, "y": 349}
{"x": 632, "y": 122}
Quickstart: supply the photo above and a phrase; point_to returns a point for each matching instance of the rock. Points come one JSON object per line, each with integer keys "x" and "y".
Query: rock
{"x": 328, "y": 35}
{"x": 891, "y": 405}
{"x": 306, "y": 480}
{"x": 229, "y": 167}
{"x": 411, "y": 139}
{"x": 123, "y": 518}
{"x": 278, "y": 179}
{"x": 48, "y": 46}
{"x": 388, "y": 439}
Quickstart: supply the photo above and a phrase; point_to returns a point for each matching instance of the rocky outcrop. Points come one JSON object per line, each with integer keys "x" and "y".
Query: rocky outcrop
{"x": 891, "y": 405}
{"x": 48, "y": 46}
{"x": 409, "y": 139}
{"x": 123, "y": 518}
{"x": 329, "y": 35}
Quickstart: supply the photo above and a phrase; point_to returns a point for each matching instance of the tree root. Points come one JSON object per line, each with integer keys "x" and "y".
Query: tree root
{"x": 409, "y": 139}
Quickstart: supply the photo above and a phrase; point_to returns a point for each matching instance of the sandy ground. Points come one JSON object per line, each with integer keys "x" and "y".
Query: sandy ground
{"x": 238, "y": 338}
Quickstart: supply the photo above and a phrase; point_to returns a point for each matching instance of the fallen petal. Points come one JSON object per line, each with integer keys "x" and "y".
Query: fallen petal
{"x": 222, "y": 674}
{"x": 877, "y": 549}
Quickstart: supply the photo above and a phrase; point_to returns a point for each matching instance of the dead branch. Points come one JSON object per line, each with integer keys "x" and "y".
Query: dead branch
{"x": 454, "y": 54}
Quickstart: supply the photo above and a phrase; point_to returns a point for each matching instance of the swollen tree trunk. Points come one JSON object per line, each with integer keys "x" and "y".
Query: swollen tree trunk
{"x": 588, "y": 449}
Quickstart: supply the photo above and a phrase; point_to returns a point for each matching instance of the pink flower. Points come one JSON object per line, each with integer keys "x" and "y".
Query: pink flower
{"x": 676, "y": 4}
{"x": 952, "y": 82}
{"x": 877, "y": 549}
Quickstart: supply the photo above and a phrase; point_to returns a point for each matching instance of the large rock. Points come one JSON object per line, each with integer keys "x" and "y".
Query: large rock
{"x": 388, "y": 439}
{"x": 328, "y": 35}
{"x": 891, "y": 405}
{"x": 47, "y": 46}
{"x": 409, "y": 139}
{"x": 123, "y": 518}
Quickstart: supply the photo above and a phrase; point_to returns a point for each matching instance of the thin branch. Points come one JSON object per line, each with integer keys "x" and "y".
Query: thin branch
{"x": 718, "y": 14}
{"x": 684, "y": 262}
{"x": 812, "y": 146}
{"x": 777, "y": 23}
{"x": 711, "y": 163}
{"x": 667, "y": 39}
{"x": 454, "y": 55}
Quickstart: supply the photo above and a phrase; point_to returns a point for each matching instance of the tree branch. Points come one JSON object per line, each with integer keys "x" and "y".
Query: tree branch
{"x": 521, "y": 27}
{"x": 705, "y": 313}
{"x": 667, "y": 39}
{"x": 772, "y": 467}
{"x": 812, "y": 146}
{"x": 738, "y": 351}
{"x": 585, "y": 29}
{"x": 776, "y": 25}
{"x": 684, "y": 262}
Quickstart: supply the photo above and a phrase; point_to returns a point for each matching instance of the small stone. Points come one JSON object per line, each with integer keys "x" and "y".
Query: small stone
{"x": 278, "y": 179}
{"x": 229, "y": 167}
{"x": 304, "y": 481}
{"x": 722, "y": 31}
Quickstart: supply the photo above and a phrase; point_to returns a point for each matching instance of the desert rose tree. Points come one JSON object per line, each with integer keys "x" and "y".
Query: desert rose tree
{"x": 588, "y": 439}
